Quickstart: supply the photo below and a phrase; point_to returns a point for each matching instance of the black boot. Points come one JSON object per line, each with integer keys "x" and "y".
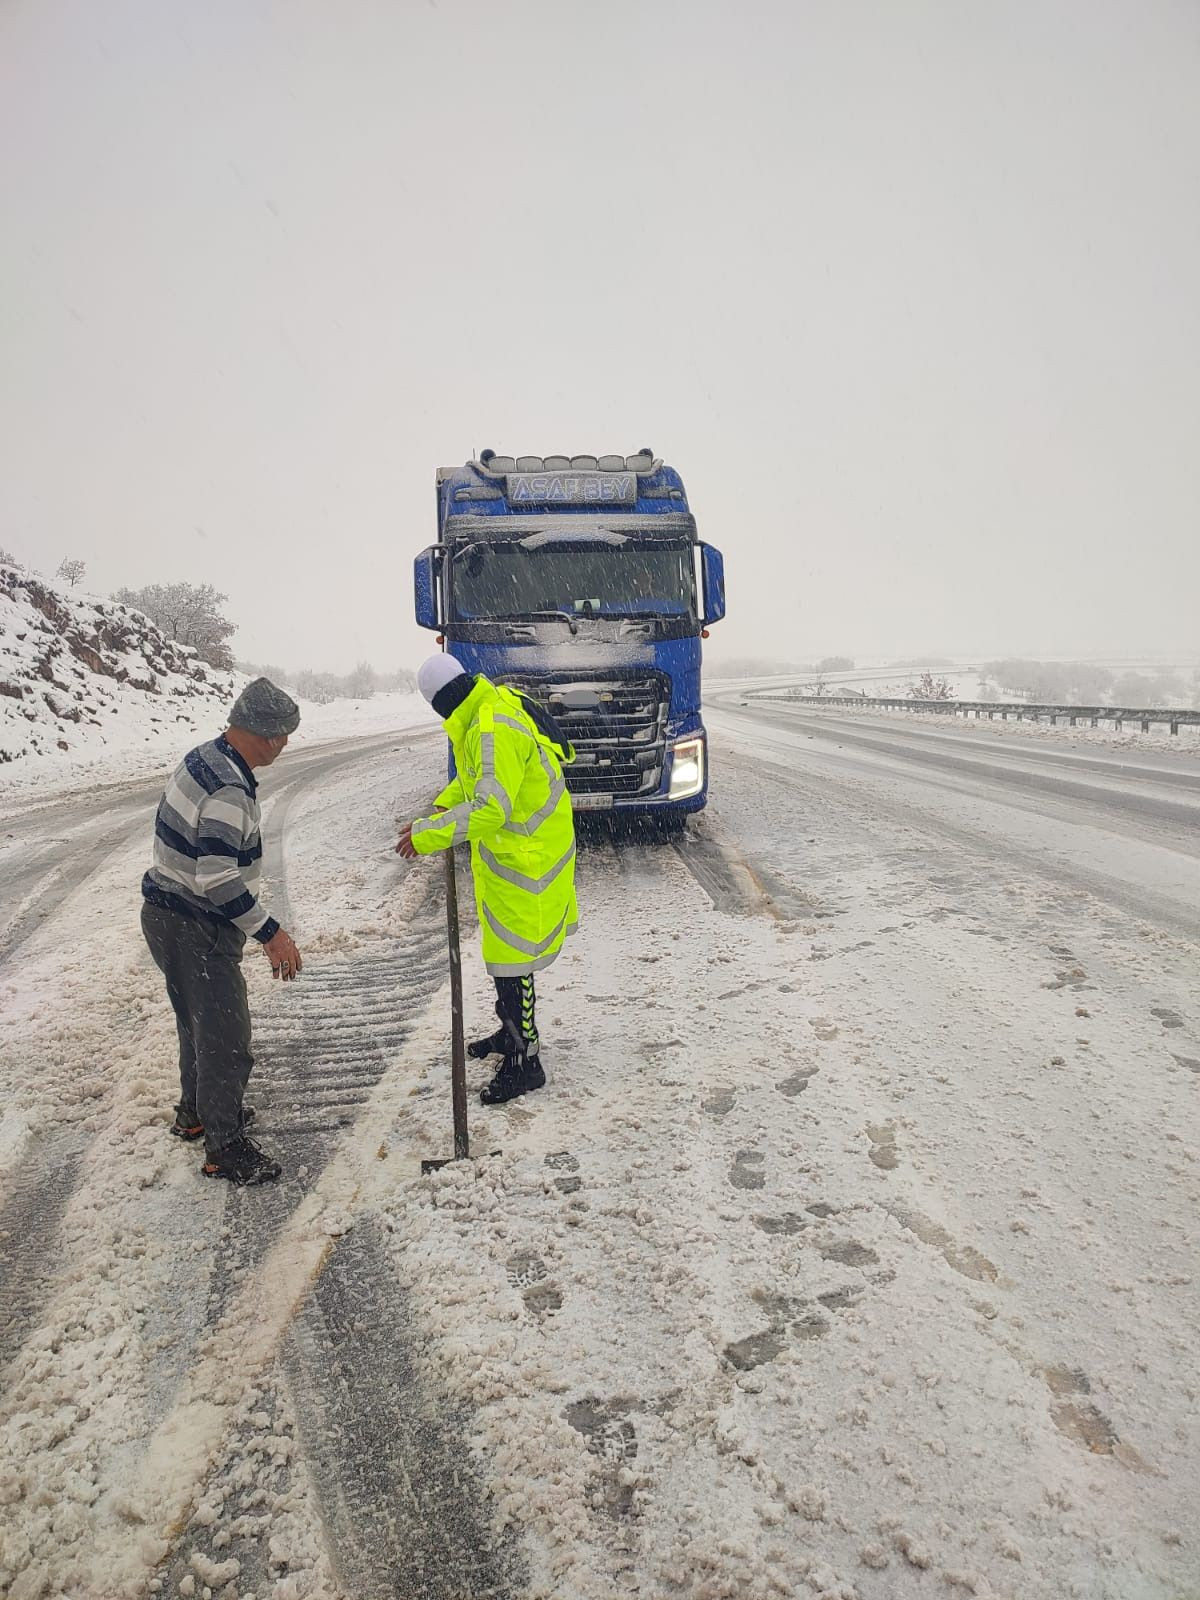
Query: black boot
{"x": 493, "y": 1045}
{"x": 242, "y": 1162}
{"x": 518, "y": 1075}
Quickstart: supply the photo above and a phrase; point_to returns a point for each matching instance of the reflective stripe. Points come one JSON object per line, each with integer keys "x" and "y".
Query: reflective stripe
{"x": 535, "y": 821}
{"x": 489, "y": 784}
{"x": 520, "y": 879}
{"x": 435, "y": 825}
{"x": 557, "y": 789}
{"x": 486, "y": 787}
{"x": 458, "y": 818}
{"x": 518, "y": 969}
{"x": 491, "y": 789}
{"x": 515, "y": 939}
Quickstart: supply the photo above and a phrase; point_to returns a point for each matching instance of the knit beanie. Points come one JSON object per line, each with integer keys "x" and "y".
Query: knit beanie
{"x": 264, "y": 709}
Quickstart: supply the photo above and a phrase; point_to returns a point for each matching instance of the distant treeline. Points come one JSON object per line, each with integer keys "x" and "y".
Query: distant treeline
{"x": 759, "y": 667}
{"x": 1079, "y": 683}
{"x": 322, "y": 687}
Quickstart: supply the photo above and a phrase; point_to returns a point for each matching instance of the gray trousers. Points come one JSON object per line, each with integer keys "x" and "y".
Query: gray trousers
{"x": 201, "y": 959}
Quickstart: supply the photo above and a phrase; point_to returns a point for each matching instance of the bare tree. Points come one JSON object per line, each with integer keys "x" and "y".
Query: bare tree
{"x": 401, "y": 681}
{"x": 71, "y": 571}
{"x": 7, "y": 559}
{"x": 188, "y": 613}
{"x": 360, "y": 685}
{"x": 927, "y": 687}
{"x": 266, "y": 669}
{"x": 319, "y": 687}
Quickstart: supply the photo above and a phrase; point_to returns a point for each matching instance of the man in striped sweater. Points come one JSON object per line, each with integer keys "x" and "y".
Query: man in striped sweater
{"x": 200, "y": 902}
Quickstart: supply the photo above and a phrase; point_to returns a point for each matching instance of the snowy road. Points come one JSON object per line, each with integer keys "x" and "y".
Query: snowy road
{"x": 50, "y": 849}
{"x": 1123, "y": 826}
{"x": 851, "y": 1249}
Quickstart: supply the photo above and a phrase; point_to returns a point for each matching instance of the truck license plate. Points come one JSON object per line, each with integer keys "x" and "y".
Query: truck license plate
{"x": 592, "y": 802}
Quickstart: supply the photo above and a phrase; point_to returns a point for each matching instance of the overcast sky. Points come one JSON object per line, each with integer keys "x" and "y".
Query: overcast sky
{"x": 908, "y": 292}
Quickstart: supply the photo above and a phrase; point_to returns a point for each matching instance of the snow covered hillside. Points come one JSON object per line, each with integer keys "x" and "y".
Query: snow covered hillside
{"x": 91, "y": 691}
{"x": 83, "y": 679}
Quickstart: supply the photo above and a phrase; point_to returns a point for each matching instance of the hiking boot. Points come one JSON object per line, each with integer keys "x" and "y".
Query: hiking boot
{"x": 242, "y": 1162}
{"x": 187, "y": 1124}
{"x": 493, "y": 1045}
{"x": 518, "y": 1075}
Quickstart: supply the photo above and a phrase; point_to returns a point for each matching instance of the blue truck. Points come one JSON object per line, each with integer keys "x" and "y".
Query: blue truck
{"x": 581, "y": 581}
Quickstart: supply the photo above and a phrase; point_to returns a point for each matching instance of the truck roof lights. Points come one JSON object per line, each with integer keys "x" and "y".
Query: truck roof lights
{"x": 644, "y": 462}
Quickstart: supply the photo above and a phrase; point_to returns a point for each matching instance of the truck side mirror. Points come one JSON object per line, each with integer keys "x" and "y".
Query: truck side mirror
{"x": 714, "y": 583}
{"x": 425, "y": 588}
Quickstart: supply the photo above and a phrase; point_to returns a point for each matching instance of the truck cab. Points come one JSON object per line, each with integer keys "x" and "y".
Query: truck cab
{"x": 582, "y": 582}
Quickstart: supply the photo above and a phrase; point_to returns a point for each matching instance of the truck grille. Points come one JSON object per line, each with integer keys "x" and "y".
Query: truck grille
{"x": 617, "y": 725}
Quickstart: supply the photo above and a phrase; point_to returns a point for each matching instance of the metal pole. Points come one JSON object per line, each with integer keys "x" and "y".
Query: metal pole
{"x": 458, "y": 1061}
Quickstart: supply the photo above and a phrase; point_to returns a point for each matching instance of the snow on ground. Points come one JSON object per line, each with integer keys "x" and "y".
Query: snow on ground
{"x": 850, "y": 1249}
{"x": 787, "y": 1376}
{"x": 343, "y": 719}
{"x": 86, "y": 1058}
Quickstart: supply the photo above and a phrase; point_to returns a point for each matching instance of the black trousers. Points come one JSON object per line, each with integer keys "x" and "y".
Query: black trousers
{"x": 515, "y": 1001}
{"x": 201, "y": 959}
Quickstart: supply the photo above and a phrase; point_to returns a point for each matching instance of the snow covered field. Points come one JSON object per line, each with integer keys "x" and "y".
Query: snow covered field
{"x": 849, "y": 1252}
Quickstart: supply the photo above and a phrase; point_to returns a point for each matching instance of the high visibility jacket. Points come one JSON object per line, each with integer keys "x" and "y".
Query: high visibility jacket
{"x": 510, "y": 801}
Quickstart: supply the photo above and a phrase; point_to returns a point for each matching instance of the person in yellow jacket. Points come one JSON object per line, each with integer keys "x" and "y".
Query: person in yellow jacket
{"x": 509, "y": 801}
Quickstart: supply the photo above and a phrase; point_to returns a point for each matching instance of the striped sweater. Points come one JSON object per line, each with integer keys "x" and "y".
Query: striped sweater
{"x": 207, "y": 843}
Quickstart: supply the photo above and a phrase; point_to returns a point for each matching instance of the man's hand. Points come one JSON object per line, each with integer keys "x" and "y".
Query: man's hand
{"x": 405, "y": 847}
{"x": 283, "y": 956}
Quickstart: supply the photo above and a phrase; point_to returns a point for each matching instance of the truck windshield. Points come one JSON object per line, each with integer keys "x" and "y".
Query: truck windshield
{"x": 507, "y": 581}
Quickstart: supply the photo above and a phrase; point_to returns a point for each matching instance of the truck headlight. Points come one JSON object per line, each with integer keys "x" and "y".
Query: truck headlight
{"x": 687, "y": 769}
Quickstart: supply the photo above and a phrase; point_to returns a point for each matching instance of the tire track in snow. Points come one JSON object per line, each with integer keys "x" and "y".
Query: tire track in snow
{"x": 43, "y": 886}
{"x": 322, "y": 1048}
{"x": 39, "y": 1192}
{"x": 400, "y": 1506}
{"x": 725, "y": 877}
{"x": 51, "y": 1169}
{"x": 387, "y": 1451}
{"x": 384, "y": 1468}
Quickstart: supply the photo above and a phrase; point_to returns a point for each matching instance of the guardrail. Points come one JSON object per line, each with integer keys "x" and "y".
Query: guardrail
{"x": 1004, "y": 709}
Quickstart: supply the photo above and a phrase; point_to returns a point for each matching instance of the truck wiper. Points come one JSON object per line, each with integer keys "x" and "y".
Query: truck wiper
{"x": 542, "y": 616}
